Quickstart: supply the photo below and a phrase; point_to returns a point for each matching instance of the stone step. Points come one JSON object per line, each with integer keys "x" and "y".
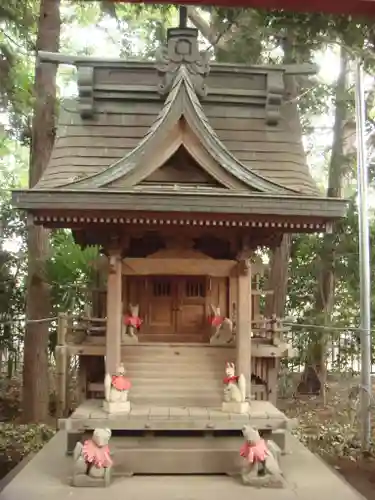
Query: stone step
{"x": 178, "y": 359}
{"x": 185, "y": 368}
{"x": 165, "y": 389}
{"x": 156, "y": 442}
{"x": 201, "y": 353}
{"x": 183, "y": 400}
{"x": 165, "y": 384}
{"x": 176, "y": 390}
{"x": 175, "y": 375}
{"x": 178, "y": 372}
{"x": 186, "y": 348}
{"x": 183, "y": 455}
{"x": 193, "y": 376}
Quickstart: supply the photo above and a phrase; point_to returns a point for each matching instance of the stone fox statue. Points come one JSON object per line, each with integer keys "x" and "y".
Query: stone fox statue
{"x": 92, "y": 458}
{"x": 222, "y": 327}
{"x": 235, "y": 386}
{"x": 116, "y": 387}
{"x": 260, "y": 463}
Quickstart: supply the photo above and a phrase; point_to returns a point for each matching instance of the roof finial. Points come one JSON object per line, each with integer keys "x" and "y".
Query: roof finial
{"x": 183, "y": 16}
{"x": 182, "y": 50}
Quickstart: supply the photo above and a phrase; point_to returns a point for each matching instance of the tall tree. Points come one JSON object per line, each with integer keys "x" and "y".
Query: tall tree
{"x": 327, "y": 253}
{"x": 324, "y": 297}
{"x": 35, "y": 370}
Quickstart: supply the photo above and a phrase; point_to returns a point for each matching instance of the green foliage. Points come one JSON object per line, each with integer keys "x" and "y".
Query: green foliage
{"x": 145, "y": 24}
{"x": 304, "y": 274}
{"x": 17, "y": 441}
{"x": 10, "y": 398}
{"x": 70, "y": 272}
{"x": 17, "y": 46}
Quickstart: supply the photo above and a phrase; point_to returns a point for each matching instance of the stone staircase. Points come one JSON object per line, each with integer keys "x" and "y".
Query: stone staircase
{"x": 177, "y": 375}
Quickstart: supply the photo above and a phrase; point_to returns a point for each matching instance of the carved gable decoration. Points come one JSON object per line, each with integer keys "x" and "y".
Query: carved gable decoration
{"x": 182, "y": 49}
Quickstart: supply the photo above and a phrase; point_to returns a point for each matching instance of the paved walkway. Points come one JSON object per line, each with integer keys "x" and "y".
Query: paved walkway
{"x": 46, "y": 476}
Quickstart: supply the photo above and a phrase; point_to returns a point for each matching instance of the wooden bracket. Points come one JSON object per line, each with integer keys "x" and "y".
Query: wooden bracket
{"x": 275, "y": 93}
{"x": 85, "y": 82}
{"x": 244, "y": 266}
{"x": 113, "y": 259}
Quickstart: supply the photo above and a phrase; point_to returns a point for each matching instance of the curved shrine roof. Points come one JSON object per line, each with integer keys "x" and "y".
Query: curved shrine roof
{"x": 238, "y": 123}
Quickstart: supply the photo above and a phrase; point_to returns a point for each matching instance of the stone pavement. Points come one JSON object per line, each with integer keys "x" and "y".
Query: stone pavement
{"x": 46, "y": 476}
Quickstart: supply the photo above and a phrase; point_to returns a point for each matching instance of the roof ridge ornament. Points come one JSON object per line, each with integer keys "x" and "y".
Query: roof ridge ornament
{"x": 182, "y": 50}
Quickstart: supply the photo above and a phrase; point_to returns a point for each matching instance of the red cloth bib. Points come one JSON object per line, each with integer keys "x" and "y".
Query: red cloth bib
{"x": 217, "y": 320}
{"x": 254, "y": 452}
{"x": 99, "y": 457}
{"x": 133, "y": 321}
{"x": 121, "y": 383}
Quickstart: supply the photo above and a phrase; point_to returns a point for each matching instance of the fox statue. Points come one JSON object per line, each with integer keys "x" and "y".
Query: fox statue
{"x": 234, "y": 386}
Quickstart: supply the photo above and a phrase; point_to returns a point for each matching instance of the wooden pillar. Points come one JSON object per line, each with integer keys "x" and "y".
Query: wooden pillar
{"x": 114, "y": 312}
{"x": 61, "y": 365}
{"x": 243, "y": 333}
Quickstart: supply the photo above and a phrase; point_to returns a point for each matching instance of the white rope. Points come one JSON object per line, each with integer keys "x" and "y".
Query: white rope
{"x": 27, "y": 321}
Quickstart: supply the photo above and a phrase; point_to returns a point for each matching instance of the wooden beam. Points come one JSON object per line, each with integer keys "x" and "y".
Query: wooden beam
{"x": 182, "y": 267}
{"x": 243, "y": 338}
{"x": 114, "y": 312}
{"x": 61, "y": 379}
{"x": 57, "y": 58}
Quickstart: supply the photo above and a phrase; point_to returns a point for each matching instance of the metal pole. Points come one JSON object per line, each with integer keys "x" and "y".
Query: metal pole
{"x": 364, "y": 261}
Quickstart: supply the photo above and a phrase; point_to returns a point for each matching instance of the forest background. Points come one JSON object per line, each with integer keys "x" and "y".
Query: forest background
{"x": 42, "y": 273}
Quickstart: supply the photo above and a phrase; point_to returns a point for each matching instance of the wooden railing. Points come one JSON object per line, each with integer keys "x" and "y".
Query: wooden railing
{"x": 268, "y": 329}
{"x": 83, "y": 328}
{"x": 91, "y": 330}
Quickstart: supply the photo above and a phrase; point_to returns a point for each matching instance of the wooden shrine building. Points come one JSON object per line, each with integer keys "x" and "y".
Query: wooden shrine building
{"x": 179, "y": 171}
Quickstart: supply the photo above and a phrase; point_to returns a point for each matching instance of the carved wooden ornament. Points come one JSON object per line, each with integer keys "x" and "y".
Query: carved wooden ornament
{"x": 182, "y": 49}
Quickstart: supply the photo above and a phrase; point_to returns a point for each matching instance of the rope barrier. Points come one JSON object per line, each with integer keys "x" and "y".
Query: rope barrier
{"x": 297, "y": 325}
{"x": 27, "y": 321}
{"x": 325, "y": 327}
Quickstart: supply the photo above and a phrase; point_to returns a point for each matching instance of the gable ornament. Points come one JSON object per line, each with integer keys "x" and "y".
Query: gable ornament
{"x": 182, "y": 49}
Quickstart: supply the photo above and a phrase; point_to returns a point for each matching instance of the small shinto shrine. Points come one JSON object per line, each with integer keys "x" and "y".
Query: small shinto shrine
{"x": 180, "y": 170}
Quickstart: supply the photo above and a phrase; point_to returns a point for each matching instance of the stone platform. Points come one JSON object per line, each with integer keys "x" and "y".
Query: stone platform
{"x": 175, "y": 439}
{"x": 262, "y": 414}
{"x": 47, "y": 476}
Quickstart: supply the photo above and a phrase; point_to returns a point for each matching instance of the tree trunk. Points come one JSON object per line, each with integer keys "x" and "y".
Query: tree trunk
{"x": 35, "y": 367}
{"x": 279, "y": 263}
{"x": 324, "y": 296}
{"x": 278, "y": 278}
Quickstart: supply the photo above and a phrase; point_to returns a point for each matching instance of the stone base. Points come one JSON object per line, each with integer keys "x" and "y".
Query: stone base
{"x": 85, "y": 481}
{"x": 128, "y": 340}
{"x": 233, "y": 407}
{"x": 116, "y": 406}
{"x": 266, "y": 481}
{"x": 221, "y": 340}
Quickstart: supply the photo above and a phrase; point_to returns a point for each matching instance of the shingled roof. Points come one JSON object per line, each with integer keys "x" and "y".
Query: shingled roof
{"x": 234, "y": 117}
{"x": 227, "y": 129}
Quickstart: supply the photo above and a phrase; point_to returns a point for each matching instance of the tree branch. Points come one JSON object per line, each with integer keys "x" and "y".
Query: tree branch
{"x": 214, "y": 38}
